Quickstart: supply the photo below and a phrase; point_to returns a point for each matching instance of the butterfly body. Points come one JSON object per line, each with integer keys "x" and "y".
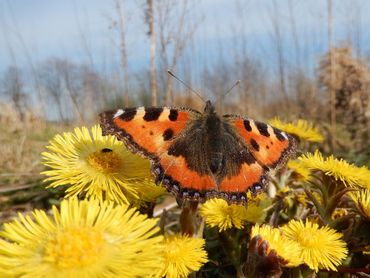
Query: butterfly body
{"x": 201, "y": 155}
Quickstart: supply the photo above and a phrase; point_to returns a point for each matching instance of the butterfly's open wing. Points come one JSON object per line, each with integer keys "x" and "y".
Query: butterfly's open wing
{"x": 270, "y": 146}
{"x": 151, "y": 133}
{"x": 251, "y": 176}
{"x": 256, "y": 149}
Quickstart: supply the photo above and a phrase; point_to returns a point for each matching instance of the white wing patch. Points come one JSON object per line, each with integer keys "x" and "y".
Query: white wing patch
{"x": 118, "y": 113}
{"x": 284, "y": 135}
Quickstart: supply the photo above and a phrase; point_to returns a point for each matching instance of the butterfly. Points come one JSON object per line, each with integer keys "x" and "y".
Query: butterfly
{"x": 198, "y": 156}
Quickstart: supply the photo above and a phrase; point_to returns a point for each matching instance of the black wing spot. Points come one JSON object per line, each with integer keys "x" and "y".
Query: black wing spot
{"x": 249, "y": 159}
{"x": 167, "y": 134}
{"x": 247, "y": 125}
{"x": 152, "y": 114}
{"x": 128, "y": 114}
{"x": 173, "y": 115}
{"x": 262, "y": 128}
{"x": 245, "y": 157}
{"x": 151, "y": 133}
{"x": 255, "y": 145}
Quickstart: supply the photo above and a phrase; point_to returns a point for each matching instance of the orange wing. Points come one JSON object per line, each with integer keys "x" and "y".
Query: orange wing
{"x": 150, "y": 132}
{"x": 175, "y": 174}
{"x": 251, "y": 177}
{"x": 146, "y": 130}
{"x": 270, "y": 146}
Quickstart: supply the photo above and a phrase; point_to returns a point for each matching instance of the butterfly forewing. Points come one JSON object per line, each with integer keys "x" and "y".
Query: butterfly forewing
{"x": 270, "y": 146}
{"x": 146, "y": 130}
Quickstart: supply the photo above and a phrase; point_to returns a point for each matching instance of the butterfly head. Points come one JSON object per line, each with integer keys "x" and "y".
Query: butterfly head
{"x": 209, "y": 108}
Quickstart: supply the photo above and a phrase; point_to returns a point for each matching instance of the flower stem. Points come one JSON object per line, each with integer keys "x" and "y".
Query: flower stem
{"x": 189, "y": 219}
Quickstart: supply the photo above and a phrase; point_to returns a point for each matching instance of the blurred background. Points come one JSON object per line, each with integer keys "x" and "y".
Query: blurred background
{"x": 64, "y": 62}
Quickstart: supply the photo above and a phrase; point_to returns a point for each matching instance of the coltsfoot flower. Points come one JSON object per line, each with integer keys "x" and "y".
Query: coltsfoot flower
{"x": 300, "y": 172}
{"x": 362, "y": 201}
{"x": 182, "y": 255}
{"x": 218, "y": 213}
{"x": 95, "y": 166}
{"x": 301, "y": 129}
{"x": 285, "y": 248}
{"x": 339, "y": 169}
{"x": 321, "y": 247}
{"x": 81, "y": 239}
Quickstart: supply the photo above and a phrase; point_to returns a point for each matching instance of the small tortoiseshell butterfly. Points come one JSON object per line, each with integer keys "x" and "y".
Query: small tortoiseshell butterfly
{"x": 202, "y": 155}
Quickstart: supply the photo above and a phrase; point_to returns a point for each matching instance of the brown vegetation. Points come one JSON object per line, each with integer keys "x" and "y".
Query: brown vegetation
{"x": 351, "y": 86}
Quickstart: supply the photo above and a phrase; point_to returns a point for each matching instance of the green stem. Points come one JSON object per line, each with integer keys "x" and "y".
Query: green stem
{"x": 233, "y": 243}
{"x": 239, "y": 272}
{"x": 320, "y": 209}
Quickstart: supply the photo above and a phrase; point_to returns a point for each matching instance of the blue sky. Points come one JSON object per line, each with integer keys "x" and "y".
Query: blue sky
{"x": 51, "y": 28}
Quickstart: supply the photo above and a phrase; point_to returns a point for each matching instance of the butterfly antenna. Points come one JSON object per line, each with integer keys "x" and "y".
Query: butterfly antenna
{"x": 229, "y": 90}
{"x": 237, "y": 82}
{"x": 232, "y": 87}
{"x": 186, "y": 85}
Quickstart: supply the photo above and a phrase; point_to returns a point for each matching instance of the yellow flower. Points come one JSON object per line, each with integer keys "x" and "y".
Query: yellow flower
{"x": 256, "y": 209}
{"x": 362, "y": 201}
{"x": 81, "y": 239}
{"x": 283, "y": 191}
{"x": 300, "y": 172}
{"x": 339, "y": 212}
{"x": 302, "y": 198}
{"x": 284, "y": 247}
{"x": 218, "y": 213}
{"x": 321, "y": 248}
{"x": 147, "y": 192}
{"x": 95, "y": 165}
{"x": 339, "y": 169}
{"x": 287, "y": 196}
{"x": 256, "y": 198}
{"x": 302, "y": 129}
{"x": 182, "y": 255}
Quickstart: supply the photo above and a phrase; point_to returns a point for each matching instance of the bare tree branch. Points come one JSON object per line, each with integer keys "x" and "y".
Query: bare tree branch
{"x": 123, "y": 49}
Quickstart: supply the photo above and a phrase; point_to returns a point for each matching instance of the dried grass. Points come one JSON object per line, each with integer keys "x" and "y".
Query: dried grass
{"x": 21, "y": 144}
{"x": 349, "y": 78}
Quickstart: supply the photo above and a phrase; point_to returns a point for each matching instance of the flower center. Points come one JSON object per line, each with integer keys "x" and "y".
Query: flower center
{"x": 307, "y": 238}
{"x": 105, "y": 161}
{"x": 172, "y": 251}
{"x": 74, "y": 247}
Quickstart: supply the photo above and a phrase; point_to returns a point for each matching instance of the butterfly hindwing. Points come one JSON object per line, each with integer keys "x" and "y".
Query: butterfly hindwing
{"x": 175, "y": 174}
{"x": 250, "y": 176}
{"x": 270, "y": 146}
